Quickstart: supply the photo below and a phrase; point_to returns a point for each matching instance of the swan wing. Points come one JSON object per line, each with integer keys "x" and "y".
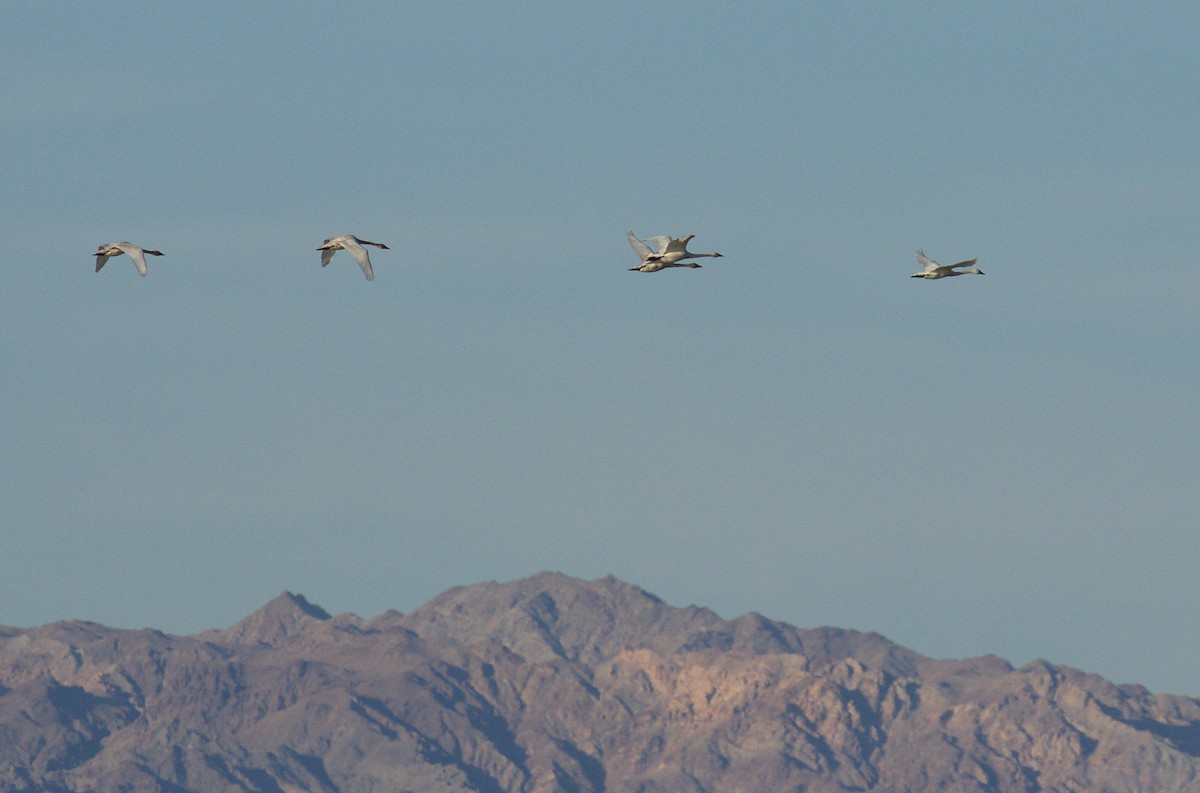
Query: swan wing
{"x": 101, "y": 258}
{"x": 139, "y": 261}
{"x": 327, "y": 254}
{"x": 677, "y": 244}
{"x": 361, "y": 256}
{"x": 639, "y": 247}
{"x": 929, "y": 264}
{"x": 968, "y": 263}
{"x": 135, "y": 253}
{"x": 660, "y": 244}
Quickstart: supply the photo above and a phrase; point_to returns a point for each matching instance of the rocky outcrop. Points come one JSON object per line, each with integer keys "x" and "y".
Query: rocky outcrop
{"x": 556, "y": 684}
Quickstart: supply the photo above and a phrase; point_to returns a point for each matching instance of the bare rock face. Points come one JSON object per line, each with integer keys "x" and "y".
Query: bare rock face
{"x": 557, "y": 684}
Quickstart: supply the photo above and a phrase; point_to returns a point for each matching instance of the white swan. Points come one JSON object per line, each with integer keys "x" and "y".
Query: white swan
{"x": 657, "y": 253}
{"x": 354, "y": 245}
{"x": 935, "y": 270}
{"x": 108, "y": 250}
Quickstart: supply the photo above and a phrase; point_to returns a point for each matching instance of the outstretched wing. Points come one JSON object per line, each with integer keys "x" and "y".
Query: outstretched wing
{"x": 639, "y": 247}
{"x": 139, "y": 260}
{"x": 360, "y": 255}
{"x": 678, "y": 244}
{"x": 660, "y": 244}
{"x": 968, "y": 263}
{"x": 135, "y": 253}
{"x": 926, "y": 262}
{"x": 100, "y": 260}
{"x": 326, "y": 255}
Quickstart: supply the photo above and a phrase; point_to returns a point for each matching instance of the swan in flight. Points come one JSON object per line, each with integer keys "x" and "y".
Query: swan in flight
{"x": 935, "y": 270}
{"x": 659, "y": 252}
{"x": 354, "y": 245}
{"x": 104, "y": 252}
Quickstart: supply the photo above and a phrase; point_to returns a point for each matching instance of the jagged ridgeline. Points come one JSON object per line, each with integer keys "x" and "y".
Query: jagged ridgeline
{"x": 557, "y": 684}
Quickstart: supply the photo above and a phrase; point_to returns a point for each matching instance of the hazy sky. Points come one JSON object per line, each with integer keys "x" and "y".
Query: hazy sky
{"x": 1004, "y": 464}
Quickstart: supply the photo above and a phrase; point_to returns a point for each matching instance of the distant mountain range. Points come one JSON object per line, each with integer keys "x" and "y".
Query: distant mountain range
{"x": 556, "y": 684}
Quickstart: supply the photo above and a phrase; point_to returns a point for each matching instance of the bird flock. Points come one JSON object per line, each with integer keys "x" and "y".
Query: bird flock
{"x": 655, "y": 253}
{"x": 666, "y": 252}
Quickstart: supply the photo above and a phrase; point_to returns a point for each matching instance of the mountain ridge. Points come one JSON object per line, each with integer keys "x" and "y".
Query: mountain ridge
{"x": 551, "y": 683}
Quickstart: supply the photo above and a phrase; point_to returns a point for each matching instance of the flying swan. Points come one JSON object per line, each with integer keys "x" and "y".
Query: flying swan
{"x": 935, "y": 270}
{"x": 354, "y": 245}
{"x": 657, "y": 253}
{"x": 108, "y": 250}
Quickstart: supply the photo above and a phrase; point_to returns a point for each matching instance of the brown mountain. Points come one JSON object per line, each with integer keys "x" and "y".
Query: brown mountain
{"x": 556, "y": 684}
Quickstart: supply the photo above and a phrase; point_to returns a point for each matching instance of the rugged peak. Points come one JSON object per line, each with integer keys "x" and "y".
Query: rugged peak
{"x": 388, "y": 619}
{"x": 554, "y": 615}
{"x": 288, "y": 601}
{"x": 284, "y": 616}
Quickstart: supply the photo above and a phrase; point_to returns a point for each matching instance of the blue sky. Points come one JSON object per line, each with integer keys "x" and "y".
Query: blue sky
{"x": 1003, "y": 464}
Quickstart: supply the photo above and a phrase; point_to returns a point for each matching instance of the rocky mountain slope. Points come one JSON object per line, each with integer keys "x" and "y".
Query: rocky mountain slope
{"x": 557, "y": 684}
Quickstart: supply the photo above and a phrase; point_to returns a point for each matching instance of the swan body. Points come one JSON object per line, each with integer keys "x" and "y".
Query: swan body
{"x": 658, "y": 253}
{"x": 110, "y": 249}
{"x": 352, "y": 244}
{"x": 934, "y": 270}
